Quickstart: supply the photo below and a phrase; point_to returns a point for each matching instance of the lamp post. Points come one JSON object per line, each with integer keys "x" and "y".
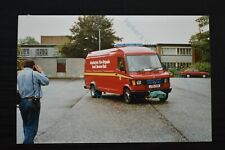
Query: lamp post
{"x": 99, "y": 39}
{"x": 86, "y": 49}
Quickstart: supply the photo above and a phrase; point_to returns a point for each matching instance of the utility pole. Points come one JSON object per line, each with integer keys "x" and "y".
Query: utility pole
{"x": 99, "y": 39}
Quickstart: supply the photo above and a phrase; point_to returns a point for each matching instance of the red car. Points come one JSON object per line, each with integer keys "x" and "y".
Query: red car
{"x": 191, "y": 72}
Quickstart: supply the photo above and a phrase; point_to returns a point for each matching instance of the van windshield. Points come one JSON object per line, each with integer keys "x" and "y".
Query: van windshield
{"x": 143, "y": 63}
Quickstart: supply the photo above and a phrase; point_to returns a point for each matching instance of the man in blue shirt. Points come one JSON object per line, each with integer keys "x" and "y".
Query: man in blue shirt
{"x": 29, "y": 81}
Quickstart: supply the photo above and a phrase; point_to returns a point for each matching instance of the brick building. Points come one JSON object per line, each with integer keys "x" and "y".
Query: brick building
{"x": 55, "y": 40}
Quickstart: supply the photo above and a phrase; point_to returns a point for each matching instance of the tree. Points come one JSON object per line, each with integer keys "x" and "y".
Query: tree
{"x": 85, "y": 36}
{"x": 201, "y": 41}
{"x": 28, "y": 40}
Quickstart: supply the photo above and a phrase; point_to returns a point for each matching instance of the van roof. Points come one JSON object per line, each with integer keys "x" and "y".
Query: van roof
{"x": 126, "y": 50}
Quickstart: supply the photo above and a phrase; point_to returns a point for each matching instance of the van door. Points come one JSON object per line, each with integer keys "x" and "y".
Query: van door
{"x": 120, "y": 78}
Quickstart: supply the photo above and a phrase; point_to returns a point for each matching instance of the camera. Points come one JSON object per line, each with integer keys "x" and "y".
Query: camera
{"x": 34, "y": 68}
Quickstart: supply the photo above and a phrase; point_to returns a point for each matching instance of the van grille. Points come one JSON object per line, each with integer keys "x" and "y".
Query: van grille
{"x": 156, "y": 81}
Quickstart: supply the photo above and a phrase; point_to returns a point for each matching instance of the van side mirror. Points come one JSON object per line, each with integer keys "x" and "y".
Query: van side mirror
{"x": 122, "y": 68}
{"x": 121, "y": 63}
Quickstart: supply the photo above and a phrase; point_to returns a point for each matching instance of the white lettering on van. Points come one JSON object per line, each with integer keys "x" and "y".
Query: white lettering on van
{"x": 93, "y": 62}
{"x": 99, "y": 64}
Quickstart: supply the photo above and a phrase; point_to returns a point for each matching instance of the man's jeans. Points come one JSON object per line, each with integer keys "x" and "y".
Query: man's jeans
{"x": 30, "y": 118}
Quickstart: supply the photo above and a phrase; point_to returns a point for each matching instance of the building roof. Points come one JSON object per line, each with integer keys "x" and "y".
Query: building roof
{"x": 127, "y": 44}
{"x": 38, "y": 45}
{"x": 149, "y": 45}
{"x": 172, "y": 44}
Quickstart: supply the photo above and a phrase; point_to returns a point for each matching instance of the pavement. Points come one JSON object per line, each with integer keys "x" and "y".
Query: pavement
{"x": 70, "y": 115}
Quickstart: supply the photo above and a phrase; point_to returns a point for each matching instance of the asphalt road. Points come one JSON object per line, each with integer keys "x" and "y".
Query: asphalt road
{"x": 70, "y": 115}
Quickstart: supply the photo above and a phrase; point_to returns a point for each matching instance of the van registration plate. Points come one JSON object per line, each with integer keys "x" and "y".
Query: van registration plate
{"x": 154, "y": 86}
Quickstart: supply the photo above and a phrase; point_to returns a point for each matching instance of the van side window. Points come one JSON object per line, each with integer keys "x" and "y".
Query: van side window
{"x": 120, "y": 64}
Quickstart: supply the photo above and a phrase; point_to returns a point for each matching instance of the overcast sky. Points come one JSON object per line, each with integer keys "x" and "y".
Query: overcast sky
{"x": 133, "y": 29}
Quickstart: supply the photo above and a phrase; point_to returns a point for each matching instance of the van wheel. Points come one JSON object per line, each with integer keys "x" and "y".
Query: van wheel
{"x": 164, "y": 99}
{"x": 94, "y": 92}
{"x": 188, "y": 76}
{"x": 204, "y": 76}
{"x": 127, "y": 96}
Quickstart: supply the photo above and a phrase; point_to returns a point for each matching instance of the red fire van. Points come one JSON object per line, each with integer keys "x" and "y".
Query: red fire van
{"x": 133, "y": 72}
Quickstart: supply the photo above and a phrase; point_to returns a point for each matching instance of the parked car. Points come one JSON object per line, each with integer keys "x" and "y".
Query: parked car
{"x": 192, "y": 72}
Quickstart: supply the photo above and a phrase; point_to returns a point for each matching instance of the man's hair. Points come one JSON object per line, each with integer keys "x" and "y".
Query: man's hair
{"x": 28, "y": 63}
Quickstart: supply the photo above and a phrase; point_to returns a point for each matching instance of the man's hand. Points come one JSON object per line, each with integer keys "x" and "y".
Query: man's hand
{"x": 38, "y": 68}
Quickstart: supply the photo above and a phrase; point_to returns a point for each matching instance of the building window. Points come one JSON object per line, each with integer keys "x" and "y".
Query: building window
{"x": 24, "y": 52}
{"x": 178, "y": 65}
{"x": 170, "y": 64}
{"x": 183, "y": 51}
{"x": 168, "y": 51}
{"x": 41, "y": 52}
{"x": 61, "y": 65}
{"x": 189, "y": 51}
{"x": 183, "y": 65}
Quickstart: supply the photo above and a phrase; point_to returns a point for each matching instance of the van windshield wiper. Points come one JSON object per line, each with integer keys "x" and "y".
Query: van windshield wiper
{"x": 152, "y": 69}
{"x": 147, "y": 69}
{"x": 158, "y": 68}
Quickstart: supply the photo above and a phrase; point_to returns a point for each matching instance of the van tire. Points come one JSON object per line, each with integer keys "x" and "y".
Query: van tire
{"x": 95, "y": 93}
{"x": 127, "y": 96}
{"x": 92, "y": 90}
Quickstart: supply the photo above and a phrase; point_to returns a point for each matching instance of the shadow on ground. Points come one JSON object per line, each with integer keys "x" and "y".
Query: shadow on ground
{"x": 118, "y": 98}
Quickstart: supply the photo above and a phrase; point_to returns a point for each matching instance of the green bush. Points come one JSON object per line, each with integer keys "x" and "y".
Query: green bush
{"x": 19, "y": 64}
{"x": 174, "y": 71}
{"x": 202, "y": 66}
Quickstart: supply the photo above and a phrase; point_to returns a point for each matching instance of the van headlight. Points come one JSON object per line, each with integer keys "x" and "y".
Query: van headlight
{"x": 138, "y": 82}
{"x": 135, "y": 82}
